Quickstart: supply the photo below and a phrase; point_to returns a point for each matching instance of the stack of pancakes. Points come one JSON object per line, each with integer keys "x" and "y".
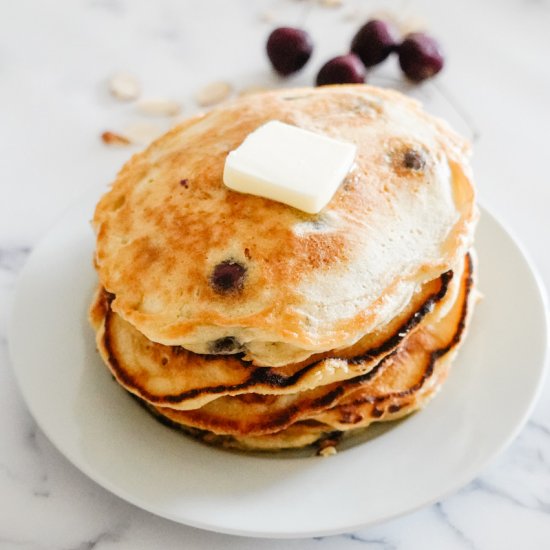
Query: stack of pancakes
{"x": 251, "y": 324}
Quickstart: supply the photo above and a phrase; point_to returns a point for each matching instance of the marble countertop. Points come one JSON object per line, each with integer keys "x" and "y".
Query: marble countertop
{"x": 55, "y": 60}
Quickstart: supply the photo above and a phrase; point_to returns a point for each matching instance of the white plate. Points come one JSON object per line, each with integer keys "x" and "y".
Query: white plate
{"x": 100, "y": 429}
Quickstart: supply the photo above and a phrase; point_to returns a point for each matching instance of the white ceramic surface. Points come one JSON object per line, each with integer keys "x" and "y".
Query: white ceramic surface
{"x": 73, "y": 398}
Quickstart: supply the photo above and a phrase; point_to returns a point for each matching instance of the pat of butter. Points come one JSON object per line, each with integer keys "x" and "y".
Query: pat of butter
{"x": 290, "y": 165}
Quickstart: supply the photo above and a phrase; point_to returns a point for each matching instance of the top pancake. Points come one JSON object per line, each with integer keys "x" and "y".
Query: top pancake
{"x": 290, "y": 283}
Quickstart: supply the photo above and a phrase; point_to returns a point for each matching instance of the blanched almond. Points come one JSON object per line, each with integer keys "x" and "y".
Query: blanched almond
{"x": 331, "y": 3}
{"x": 143, "y": 132}
{"x": 158, "y": 107}
{"x": 213, "y": 93}
{"x": 413, "y": 24}
{"x": 267, "y": 17}
{"x": 124, "y": 86}
{"x": 252, "y": 90}
{"x": 327, "y": 451}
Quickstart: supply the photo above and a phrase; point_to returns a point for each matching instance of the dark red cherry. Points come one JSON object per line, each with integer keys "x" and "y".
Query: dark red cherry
{"x": 344, "y": 69}
{"x": 289, "y": 49}
{"x": 374, "y": 41}
{"x": 420, "y": 56}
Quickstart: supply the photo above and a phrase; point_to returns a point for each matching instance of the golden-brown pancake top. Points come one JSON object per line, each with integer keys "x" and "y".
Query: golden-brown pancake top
{"x": 195, "y": 264}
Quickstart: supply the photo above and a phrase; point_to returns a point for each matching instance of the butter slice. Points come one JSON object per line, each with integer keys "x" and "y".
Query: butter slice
{"x": 289, "y": 165}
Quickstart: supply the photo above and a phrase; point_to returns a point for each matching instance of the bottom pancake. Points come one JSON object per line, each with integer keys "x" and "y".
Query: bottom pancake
{"x": 403, "y": 382}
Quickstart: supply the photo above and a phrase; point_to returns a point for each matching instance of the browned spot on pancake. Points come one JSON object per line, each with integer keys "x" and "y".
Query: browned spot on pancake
{"x": 184, "y": 183}
{"x": 376, "y": 413}
{"x": 118, "y": 202}
{"x": 408, "y": 159}
{"x": 316, "y": 250}
{"x": 349, "y": 416}
{"x": 324, "y": 249}
{"x": 99, "y": 307}
{"x": 145, "y": 252}
{"x": 395, "y": 408}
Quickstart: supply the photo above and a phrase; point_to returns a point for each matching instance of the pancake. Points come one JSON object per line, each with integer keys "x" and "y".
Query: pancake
{"x": 174, "y": 377}
{"x": 404, "y": 381}
{"x": 191, "y": 263}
